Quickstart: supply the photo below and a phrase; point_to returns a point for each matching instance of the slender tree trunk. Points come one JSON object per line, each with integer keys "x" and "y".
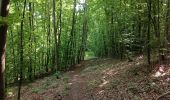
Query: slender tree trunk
{"x": 45, "y": 29}
{"x": 167, "y": 30}
{"x": 4, "y": 7}
{"x": 48, "y": 33}
{"x": 148, "y": 33}
{"x": 59, "y": 35}
{"x": 84, "y": 36}
{"x": 21, "y": 50}
{"x": 30, "y": 41}
{"x": 55, "y": 32}
{"x": 72, "y": 32}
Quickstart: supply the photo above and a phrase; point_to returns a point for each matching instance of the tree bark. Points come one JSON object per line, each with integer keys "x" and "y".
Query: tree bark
{"x": 4, "y": 8}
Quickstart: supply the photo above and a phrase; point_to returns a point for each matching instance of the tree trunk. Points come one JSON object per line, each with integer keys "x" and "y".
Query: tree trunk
{"x": 84, "y": 36}
{"x": 72, "y": 35}
{"x": 148, "y": 33}
{"x": 55, "y": 32}
{"x": 21, "y": 51}
{"x": 30, "y": 42}
{"x": 4, "y": 7}
{"x": 59, "y": 36}
{"x": 167, "y": 30}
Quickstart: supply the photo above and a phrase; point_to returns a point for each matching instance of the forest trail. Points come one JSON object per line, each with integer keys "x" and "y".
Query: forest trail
{"x": 75, "y": 83}
{"x": 101, "y": 79}
{"x": 78, "y": 81}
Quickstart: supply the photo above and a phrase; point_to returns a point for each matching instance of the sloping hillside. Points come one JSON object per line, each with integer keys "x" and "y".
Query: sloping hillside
{"x": 102, "y": 79}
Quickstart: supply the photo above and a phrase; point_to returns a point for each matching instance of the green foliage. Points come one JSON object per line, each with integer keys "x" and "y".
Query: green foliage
{"x": 36, "y": 90}
{"x": 58, "y": 74}
{"x": 110, "y": 28}
{"x": 89, "y": 55}
{"x": 38, "y": 38}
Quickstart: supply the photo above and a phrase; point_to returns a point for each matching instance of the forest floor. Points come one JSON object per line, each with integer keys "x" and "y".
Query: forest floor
{"x": 103, "y": 79}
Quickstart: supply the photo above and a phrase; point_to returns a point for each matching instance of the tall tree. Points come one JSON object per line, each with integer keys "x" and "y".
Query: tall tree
{"x": 72, "y": 35}
{"x": 21, "y": 49}
{"x": 55, "y": 32}
{"x": 148, "y": 33}
{"x": 59, "y": 36}
{"x": 167, "y": 30}
{"x": 4, "y": 8}
{"x": 30, "y": 38}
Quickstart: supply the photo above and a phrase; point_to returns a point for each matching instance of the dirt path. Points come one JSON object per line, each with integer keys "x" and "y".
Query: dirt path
{"x": 75, "y": 92}
{"x": 76, "y": 84}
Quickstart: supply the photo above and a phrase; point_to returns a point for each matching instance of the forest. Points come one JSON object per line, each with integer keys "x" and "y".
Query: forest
{"x": 85, "y": 49}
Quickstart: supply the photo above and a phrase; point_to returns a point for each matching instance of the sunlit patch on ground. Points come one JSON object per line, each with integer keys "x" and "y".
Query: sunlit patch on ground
{"x": 10, "y": 94}
{"x": 104, "y": 83}
{"x": 110, "y": 72}
{"x": 161, "y": 70}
